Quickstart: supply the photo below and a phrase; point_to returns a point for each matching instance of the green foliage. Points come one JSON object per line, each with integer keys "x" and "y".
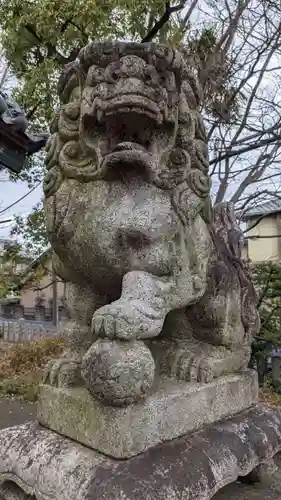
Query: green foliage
{"x": 8, "y": 285}
{"x": 267, "y": 276}
{"x": 33, "y": 231}
{"x": 11, "y": 261}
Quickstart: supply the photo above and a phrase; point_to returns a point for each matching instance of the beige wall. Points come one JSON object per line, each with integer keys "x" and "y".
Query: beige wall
{"x": 263, "y": 249}
{"x": 28, "y": 296}
{"x": 29, "y": 291}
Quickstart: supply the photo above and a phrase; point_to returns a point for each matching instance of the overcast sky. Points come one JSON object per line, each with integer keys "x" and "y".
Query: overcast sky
{"x": 10, "y": 192}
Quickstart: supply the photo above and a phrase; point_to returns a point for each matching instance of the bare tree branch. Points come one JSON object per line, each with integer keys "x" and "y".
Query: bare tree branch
{"x": 256, "y": 173}
{"x": 228, "y": 36}
{"x": 189, "y": 12}
{"x": 163, "y": 20}
{"x": 246, "y": 149}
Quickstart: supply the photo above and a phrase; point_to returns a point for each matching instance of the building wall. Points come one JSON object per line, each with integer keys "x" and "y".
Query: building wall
{"x": 31, "y": 291}
{"x": 28, "y": 295}
{"x": 263, "y": 249}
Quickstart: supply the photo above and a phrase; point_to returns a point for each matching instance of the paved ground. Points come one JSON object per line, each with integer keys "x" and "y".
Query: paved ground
{"x": 14, "y": 412}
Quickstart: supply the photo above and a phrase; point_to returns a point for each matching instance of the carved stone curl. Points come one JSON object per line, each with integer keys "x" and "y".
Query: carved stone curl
{"x": 129, "y": 217}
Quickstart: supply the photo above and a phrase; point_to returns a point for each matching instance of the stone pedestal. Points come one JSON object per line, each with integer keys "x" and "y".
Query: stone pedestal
{"x": 39, "y": 462}
{"x": 174, "y": 409}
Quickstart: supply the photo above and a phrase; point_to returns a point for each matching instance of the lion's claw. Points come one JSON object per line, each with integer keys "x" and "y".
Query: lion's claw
{"x": 127, "y": 320}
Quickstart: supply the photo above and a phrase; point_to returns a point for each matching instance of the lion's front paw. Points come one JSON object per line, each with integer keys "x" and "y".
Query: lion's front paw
{"x": 127, "y": 320}
{"x": 62, "y": 372}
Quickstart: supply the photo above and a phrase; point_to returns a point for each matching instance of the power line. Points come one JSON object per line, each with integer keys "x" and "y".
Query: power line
{"x": 20, "y": 199}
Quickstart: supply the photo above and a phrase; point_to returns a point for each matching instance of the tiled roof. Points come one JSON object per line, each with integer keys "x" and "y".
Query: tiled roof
{"x": 269, "y": 207}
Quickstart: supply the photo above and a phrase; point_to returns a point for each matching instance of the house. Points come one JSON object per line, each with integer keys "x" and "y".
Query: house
{"x": 263, "y": 234}
{"x": 38, "y": 284}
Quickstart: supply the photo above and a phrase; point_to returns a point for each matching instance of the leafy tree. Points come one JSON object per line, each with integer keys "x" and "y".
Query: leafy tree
{"x": 11, "y": 262}
{"x": 267, "y": 276}
{"x": 33, "y": 231}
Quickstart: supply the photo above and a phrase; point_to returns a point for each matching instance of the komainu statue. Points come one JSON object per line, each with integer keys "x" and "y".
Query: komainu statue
{"x": 155, "y": 281}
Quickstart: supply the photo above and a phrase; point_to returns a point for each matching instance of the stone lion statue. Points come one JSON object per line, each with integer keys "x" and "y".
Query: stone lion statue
{"x": 155, "y": 281}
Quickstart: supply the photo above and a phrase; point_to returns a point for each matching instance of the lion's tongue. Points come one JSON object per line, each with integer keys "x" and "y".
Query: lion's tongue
{"x": 128, "y": 146}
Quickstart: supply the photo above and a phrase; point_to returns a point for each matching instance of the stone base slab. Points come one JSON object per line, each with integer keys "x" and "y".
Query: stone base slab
{"x": 173, "y": 410}
{"x": 37, "y": 461}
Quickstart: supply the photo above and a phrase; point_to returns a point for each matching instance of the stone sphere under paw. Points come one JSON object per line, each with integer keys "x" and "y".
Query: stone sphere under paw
{"x": 118, "y": 373}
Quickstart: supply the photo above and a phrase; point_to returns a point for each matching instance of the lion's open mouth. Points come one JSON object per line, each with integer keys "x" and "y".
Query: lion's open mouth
{"x": 130, "y": 131}
{"x": 123, "y": 123}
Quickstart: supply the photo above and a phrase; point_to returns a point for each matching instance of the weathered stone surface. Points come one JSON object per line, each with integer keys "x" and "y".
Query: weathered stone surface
{"x": 118, "y": 373}
{"x": 193, "y": 467}
{"x": 173, "y": 409}
{"x": 264, "y": 490}
{"x": 128, "y": 212}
